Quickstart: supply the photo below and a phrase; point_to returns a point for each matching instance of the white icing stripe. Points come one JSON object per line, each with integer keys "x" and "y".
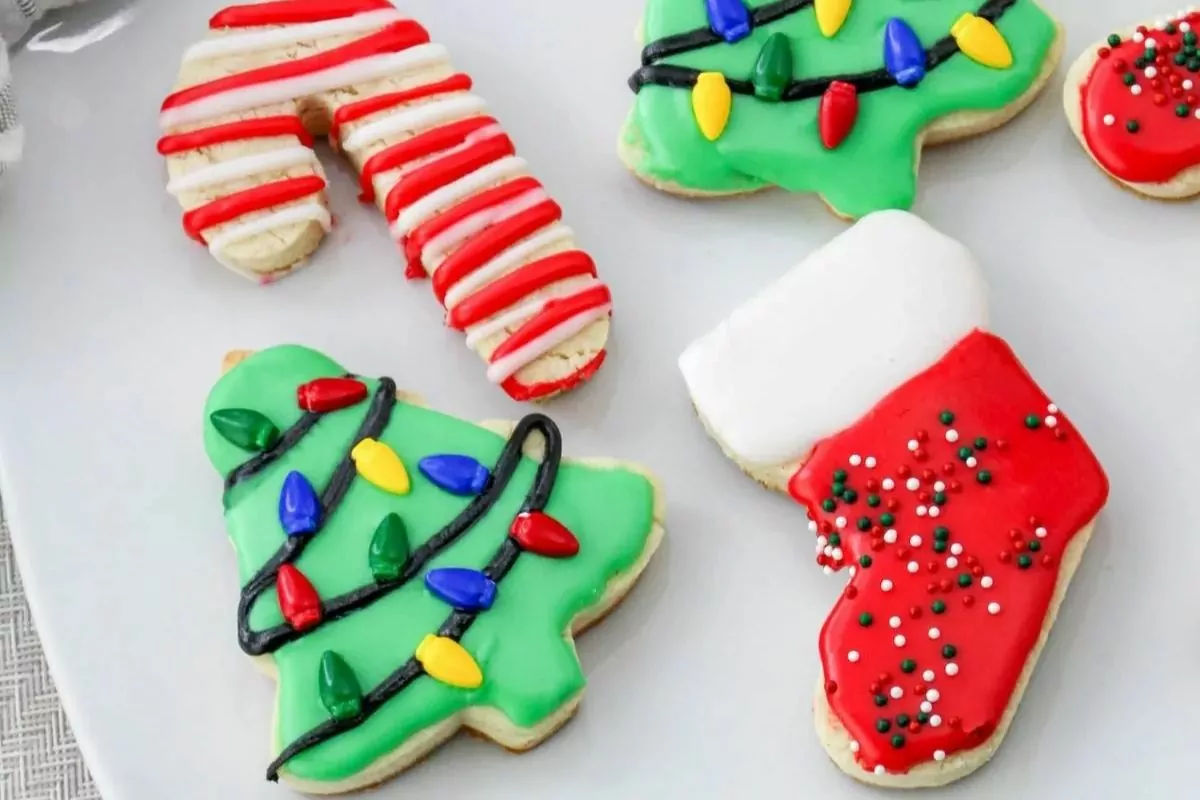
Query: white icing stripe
{"x": 527, "y": 310}
{"x": 412, "y": 119}
{"x": 358, "y": 71}
{"x": 233, "y": 44}
{"x": 485, "y": 218}
{"x": 895, "y": 293}
{"x": 504, "y": 368}
{"x": 461, "y": 189}
{"x": 308, "y": 212}
{"x": 506, "y": 261}
{"x": 233, "y": 169}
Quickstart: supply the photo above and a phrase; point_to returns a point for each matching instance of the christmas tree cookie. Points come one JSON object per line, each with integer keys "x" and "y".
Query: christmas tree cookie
{"x": 956, "y": 495}
{"x": 461, "y": 205}
{"x": 833, "y": 96}
{"x": 1133, "y": 101}
{"x": 406, "y": 574}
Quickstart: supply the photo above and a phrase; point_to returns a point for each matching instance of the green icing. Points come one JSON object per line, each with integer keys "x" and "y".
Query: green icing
{"x": 529, "y": 669}
{"x": 769, "y": 143}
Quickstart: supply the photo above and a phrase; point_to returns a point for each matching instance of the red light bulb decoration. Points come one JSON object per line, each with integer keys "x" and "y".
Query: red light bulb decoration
{"x": 542, "y": 534}
{"x": 838, "y": 113}
{"x": 330, "y": 394}
{"x": 298, "y": 600}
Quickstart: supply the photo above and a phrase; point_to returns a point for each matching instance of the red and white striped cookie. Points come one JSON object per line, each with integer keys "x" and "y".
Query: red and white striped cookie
{"x": 460, "y": 203}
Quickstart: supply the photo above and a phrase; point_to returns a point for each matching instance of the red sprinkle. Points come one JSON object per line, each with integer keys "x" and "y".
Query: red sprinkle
{"x": 931, "y": 587}
{"x": 976, "y": 571}
{"x": 902, "y": 553}
{"x": 892, "y": 504}
{"x": 1047, "y": 560}
{"x": 954, "y": 722}
{"x": 1059, "y": 433}
{"x": 851, "y": 592}
{"x": 1034, "y": 522}
{"x": 945, "y": 585}
{"x": 872, "y": 485}
{"x": 972, "y": 561}
{"x": 920, "y": 688}
{"x": 874, "y": 688}
{"x": 922, "y": 436}
{"x": 914, "y": 727}
{"x": 968, "y": 600}
{"x": 830, "y": 687}
{"x": 903, "y": 471}
{"x": 948, "y": 468}
{"x": 826, "y": 526}
{"x": 932, "y": 566}
{"x": 928, "y": 474}
{"x": 885, "y": 677}
{"x": 924, "y": 496}
{"x": 877, "y": 544}
{"x": 919, "y": 454}
{"x": 1016, "y": 535}
{"x": 915, "y": 612}
{"x": 1005, "y": 556}
{"x": 1002, "y": 444}
{"x": 955, "y": 486}
{"x": 1104, "y": 52}
{"x": 1018, "y": 545}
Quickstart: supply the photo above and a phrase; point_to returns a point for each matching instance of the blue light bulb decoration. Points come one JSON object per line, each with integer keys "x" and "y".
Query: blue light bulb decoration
{"x": 903, "y": 54}
{"x": 456, "y": 474}
{"x": 464, "y": 589}
{"x": 299, "y": 506}
{"x": 729, "y": 19}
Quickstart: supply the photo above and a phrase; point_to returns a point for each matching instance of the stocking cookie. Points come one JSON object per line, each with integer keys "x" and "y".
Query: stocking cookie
{"x": 460, "y": 203}
{"x": 956, "y": 494}
{"x": 406, "y": 574}
{"x": 831, "y": 96}
{"x": 1133, "y": 101}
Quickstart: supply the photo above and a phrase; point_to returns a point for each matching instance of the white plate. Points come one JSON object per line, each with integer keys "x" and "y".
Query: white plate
{"x": 113, "y": 325}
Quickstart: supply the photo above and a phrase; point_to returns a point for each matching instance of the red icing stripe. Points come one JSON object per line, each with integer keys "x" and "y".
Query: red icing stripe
{"x": 426, "y": 231}
{"x": 352, "y": 112}
{"x": 260, "y": 128}
{"x": 525, "y": 392}
{"x": 488, "y": 244}
{"x": 285, "y": 12}
{"x": 395, "y": 37}
{"x": 506, "y": 291}
{"x": 420, "y": 146}
{"x": 969, "y": 585}
{"x": 553, "y": 314}
{"x": 1147, "y": 139}
{"x": 257, "y": 198}
{"x": 444, "y": 171}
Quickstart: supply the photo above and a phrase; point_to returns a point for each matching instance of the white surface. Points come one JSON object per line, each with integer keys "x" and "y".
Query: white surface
{"x": 113, "y": 323}
{"x": 763, "y": 377}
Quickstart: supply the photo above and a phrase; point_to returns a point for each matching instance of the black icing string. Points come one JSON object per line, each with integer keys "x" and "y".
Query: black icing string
{"x": 458, "y": 622}
{"x": 803, "y": 89}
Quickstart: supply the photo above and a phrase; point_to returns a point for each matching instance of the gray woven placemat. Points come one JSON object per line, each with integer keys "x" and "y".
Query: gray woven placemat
{"x": 39, "y": 759}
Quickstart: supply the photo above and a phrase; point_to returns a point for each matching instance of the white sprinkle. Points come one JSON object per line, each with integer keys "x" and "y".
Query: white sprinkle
{"x": 935, "y": 511}
{"x": 828, "y": 551}
{"x": 1198, "y": 113}
{"x": 1040, "y": 533}
{"x": 855, "y": 460}
{"x": 927, "y": 706}
{"x": 938, "y": 755}
{"x": 1053, "y": 409}
{"x": 934, "y": 633}
{"x": 899, "y": 641}
{"x": 1051, "y": 421}
{"x": 952, "y": 435}
{"x": 951, "y": 562}
{"x": 913, "y": 567}
{"x": 1151, "y": 44}
{"x": 1139, "y": 36}
{"x": 912, "y": 484}
{"x": 928, "y": 675}
{"x": 993, "y": 608}
{"x": 896, "y": 693}
{"x": 886, "y": 585}
{"x": 1187, "y": 87}
{"x": 952, "y": 669}
{"x": 913, "y": 444}
{"x": 1185, "y": 27}
{"x": 986, "y": 581}
{"x": 853, "y": 570}
{"x": 933, "y": 695}
{"x": 1109, "y": 119}
{"x": 1151, "y": 72}
{"x": 956, "y": 549}
{"x": 939, "y": 487}
{"x": 840, "y": 522}
{"x": 894, "y": 622}
{"x": 837, "y": 554}
{"x": 852, "y": 656}
{"x": 888, "y": 484}
{"x": 889, "y": 536}
{"x": 914, "y": 540}
{"x": 879, "y": 770}
{"x": 971, "y": 462}
{"x": 935, "y": 721}
{"x": 1135, "y": 89}
{"x": 812, "y": 525}
{"x": 828, "y": 570}
{"x": 821, "y": 541}
{"x": 854, "y": 746}
{"x": 922, "y": 511}
{"x": 871, "y": 462}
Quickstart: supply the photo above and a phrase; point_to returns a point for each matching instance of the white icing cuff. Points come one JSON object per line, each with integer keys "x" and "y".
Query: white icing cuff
{"x": 812, "y": 353}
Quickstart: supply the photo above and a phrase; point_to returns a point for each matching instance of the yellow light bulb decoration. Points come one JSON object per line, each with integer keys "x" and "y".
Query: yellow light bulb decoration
{"x": 981, "y": 42}
{"x": 831, "y": 15}
{"x": 711, "y": 103}
{"x": 380, "y": 465}
{"x": 447, "y": 661}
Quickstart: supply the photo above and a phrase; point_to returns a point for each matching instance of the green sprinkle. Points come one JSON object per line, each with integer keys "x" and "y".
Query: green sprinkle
{"x": 849, "y": 496}
{"x": 839, "y": 475}
{"x": 1180, "y": 59}
{"x": 941, "y": 533}
{"x": 922, "y": 718}
{"x": 883, "y": 725}
{"x": 1189, "y": 38}
{"x": 838, "y": 488}
{"x": 1193, "y": 65}
{"x": 981, "y": 443}
{"x": 964, "y": 580}
{"x": 835, "y": 539}
{"x": 1129, "y": 78}
{"x": 983, "y": 476}
{"x": 1033, "y": 421}
{"x": 1133, "y": 127}
{"x": 1113, "y": 40}
{"x": 864, "y": 560}
{"x": 865, "y": 619}
{"x": 1181, "y": 110}
{"x": 1170, "y": 27}
{"x": 864, "y": 524}
{"x": 946, "y": 417}
{"x": 873, "y": 500}
{"x": 940, "y": 498}
{"x": 907, "y": 665}
{"x": 1024, "y": 561}
{"x": 964, "y": 453}
{"x": 939, "y": 547}
{"x": 898, "y": 741}
{"x": 881, "y": 701}
{"x": 903, "y": 719}
{"x": 886, "y": 518}
{"x": 949, "y": 651}
{"x": 1034, "y": 546}
{"x": 938, "y": 607}
{"x": 829, "y": 504}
